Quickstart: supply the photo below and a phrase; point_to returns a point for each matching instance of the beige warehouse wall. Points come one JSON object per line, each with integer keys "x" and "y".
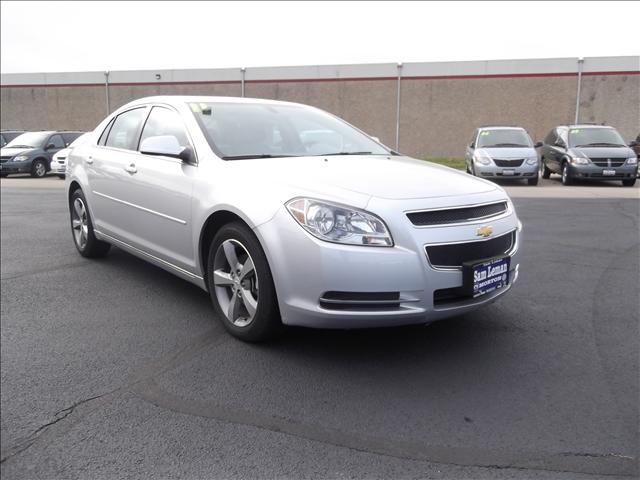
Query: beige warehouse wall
{"x": 437, "y": 117}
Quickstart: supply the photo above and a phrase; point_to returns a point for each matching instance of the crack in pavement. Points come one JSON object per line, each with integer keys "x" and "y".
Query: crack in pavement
{"x": 596, "y": 464}
{"x": 147, "y": 373}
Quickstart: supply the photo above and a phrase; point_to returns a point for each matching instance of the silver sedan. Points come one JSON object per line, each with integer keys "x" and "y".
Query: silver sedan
{"x": 288, "y": 215}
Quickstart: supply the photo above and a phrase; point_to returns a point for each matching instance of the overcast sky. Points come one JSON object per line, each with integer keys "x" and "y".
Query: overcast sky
{"x": 89, "y": 36}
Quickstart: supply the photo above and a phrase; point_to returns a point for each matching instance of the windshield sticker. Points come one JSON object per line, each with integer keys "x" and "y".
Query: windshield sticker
{"x": 574, "y": 131}
{"x": 485, "y": 133}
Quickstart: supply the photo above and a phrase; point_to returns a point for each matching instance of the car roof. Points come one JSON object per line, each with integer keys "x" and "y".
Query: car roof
{"x": 181, "y": 99}
{"x": 585, "y": 125}
{"x": 500, "y": 127}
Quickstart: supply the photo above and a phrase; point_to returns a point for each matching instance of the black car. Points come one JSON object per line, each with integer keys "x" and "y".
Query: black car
{"x": 7, "y": 135}
{"x": 588, "y": 152}
{"x": 31, "y": 152}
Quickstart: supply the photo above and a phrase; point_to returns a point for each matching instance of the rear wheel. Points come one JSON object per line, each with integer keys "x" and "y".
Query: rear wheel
{"x": 4, "y": 175}
{"x": 241, "y": 285}
{"x": 38, "y": 169}
{"x": 566, "y": 176}
{"x": 82, "y": 228}
{"x": 629, "y": 182}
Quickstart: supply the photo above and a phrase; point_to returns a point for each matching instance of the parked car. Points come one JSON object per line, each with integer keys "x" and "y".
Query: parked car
{"x": 59, "y": 161}
{"x": 588, "y": 152}
{"x": 502, "y": 152}
{"x": 7, "y": 135}
{"x": 31, "y": 152}
{"x": 345, "y": 238}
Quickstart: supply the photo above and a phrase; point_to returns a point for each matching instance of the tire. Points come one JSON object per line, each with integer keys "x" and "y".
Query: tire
{"x": 82, "y": 228}
{"x": 245, "y": 300}
{"x": 629, "y": 182}
{"x": 566, "y": 177}
{"x": 38, "y": 169}
{"x": 4, "y": 175}
{"x": 546, "y": 173}
{"x": 533, "y": 181}
{"x": 61, "y": 176}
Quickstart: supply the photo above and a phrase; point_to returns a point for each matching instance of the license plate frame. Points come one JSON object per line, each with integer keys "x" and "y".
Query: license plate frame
{"x": 496, "y": 275}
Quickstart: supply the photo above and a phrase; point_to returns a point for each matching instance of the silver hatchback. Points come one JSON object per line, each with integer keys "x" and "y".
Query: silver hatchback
{"x": 502, "y": 152}
{"x": 287, "y": 215}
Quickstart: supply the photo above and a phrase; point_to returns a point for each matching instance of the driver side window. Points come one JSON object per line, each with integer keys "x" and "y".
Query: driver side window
{"x": 162, "y": 122}
{"x": 56, "y": 140}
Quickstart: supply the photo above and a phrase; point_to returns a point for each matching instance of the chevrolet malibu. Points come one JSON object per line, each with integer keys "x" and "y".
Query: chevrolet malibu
{"x": 285, "y": 226}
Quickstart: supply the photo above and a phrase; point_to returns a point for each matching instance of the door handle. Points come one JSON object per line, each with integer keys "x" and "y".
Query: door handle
{"x": 131, "y": 169}
{"x": 90, "y": 160}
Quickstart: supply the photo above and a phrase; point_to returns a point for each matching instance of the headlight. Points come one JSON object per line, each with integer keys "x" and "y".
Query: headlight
{"x": 20, "y": 158}
{"x": 579, "y": 160}
{"x": 482, "y": 158}
{"x": 338, "y": 223}
{"x": 532, "y": 160}
{"x": 632, "y": 161}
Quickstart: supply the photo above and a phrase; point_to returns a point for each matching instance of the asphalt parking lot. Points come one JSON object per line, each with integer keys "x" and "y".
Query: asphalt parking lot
{"x": 117, "y": 369}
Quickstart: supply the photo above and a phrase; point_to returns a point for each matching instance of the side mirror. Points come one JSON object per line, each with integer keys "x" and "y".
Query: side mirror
{"x": 50, "y": 146}
{"x": 633, "y": 143}
{"x": 537, "y": 145}
{"x": 166, "y": 146}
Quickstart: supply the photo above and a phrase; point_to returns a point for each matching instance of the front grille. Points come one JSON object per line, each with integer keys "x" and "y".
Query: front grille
{"x": 454, "y": 255}
{"x": 508, "y": 163}
{"x": 360, "y": 301}
{"x": 609, "y": 162}
{"x": 456, "y": 215}
{"x": 4, "y": 159}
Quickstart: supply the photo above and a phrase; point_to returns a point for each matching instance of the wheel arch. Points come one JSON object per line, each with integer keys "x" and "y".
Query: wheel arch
{"x": 214, "y": 222}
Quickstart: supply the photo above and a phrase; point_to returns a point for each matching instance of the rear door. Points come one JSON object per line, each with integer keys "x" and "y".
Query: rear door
{"x": 108, "y": 177}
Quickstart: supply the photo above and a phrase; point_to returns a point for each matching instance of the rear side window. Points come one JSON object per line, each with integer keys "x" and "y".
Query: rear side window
{"x": 57, "y": 141}
{"x": 162, "y": 121}
{"x": 125, "y": 129}
{"x": 3, "y": 142}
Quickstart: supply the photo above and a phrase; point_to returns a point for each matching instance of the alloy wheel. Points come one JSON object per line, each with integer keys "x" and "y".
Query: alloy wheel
{"x": 40, "y": 169}
{"x": 235, "y": 282}
{"x": 80, "y": 223}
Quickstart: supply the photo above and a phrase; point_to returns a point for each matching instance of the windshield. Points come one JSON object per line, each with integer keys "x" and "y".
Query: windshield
{"x": 29, "y": 140}
{"x": 252, "y": 130}
{"x": 504, "y": 138}
{"x": 595, "y": 137}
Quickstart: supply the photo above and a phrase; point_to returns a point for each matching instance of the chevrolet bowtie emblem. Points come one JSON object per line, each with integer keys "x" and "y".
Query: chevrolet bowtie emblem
{"x": 484, "y": 231}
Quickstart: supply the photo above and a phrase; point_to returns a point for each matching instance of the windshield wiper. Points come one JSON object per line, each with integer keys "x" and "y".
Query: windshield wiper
{"x": 18, "y": 146}
{"x": 600, "y": 144}
{"x": 250, "y": 157}
{"x": 506, "y": 145}
{"x": 343, "y": 153}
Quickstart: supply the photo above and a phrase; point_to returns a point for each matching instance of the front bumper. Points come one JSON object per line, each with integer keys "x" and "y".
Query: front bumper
{"x": 58, "y": 168}
{"x": 15, "y": 167}
{"x": 305, "y": 269}
{"x": 595, "y": 172}
{"x": 523, "y": 171}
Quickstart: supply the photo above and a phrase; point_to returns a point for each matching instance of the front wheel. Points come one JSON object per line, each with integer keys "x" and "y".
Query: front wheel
{"x": 629, "y": 182}
{"x": 566, "y": 176}
{"x": 546, "y": 173}
{"x": 82, "y": 228}
{"x": 61, "y": 176}
{"x": 241, "y": 286}
{"x": 38, "y": 169}
{"x": 533, "y": 181}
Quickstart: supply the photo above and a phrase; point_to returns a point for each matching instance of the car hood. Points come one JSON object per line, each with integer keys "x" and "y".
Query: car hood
{"x": 394, "y": 177}
{"x": 62, "y": 153}
{"x": 604, "y": 152}
{"x": 508, "y": 153}
{"x": 12, "y": 152}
